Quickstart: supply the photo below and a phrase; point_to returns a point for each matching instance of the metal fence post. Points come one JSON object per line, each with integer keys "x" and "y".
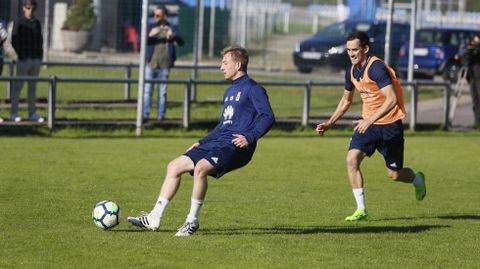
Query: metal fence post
{"x": 306, "y": 103}
{"x": 52, "y": 94}
{"x": 186, "y": 104}
{"x": 446, "y": 107}
{"x": 413, "y": 106}
{"x": 127, "y": 85}
{"x": 10, "y": 83}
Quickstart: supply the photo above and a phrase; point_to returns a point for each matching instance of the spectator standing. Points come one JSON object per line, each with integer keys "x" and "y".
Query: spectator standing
{"x": 27, "y": 41}
{"x": 3, "y": 37}
{"x": 161, "y": 56}
{"x": 473, "y": 55}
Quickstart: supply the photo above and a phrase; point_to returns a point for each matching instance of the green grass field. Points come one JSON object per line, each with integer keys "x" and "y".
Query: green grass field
{"x": 284, "y": 210}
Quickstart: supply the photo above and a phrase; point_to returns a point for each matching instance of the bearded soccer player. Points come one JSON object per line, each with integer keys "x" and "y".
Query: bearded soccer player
{"x": 381, "y": 125}
{"x": 245, "y": 118}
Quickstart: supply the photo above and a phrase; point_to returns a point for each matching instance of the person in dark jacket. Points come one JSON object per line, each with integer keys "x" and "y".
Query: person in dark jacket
{"x": 473, "y": 56}
{"x": 161, "y": 56}
{"x": 246, "y": 117}
{"x": 3, "y": 37}
{"x": 27, "y": 41}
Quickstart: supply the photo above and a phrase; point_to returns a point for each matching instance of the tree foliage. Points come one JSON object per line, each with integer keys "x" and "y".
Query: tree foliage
{"x": 80, "y": 16}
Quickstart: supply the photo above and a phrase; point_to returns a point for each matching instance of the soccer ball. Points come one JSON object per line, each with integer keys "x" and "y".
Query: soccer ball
{"x": 106, "y": 214}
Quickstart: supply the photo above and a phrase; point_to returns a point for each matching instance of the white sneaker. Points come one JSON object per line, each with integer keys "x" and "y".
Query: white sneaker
{"x": 36, "y": 117}
{"x": 15, "y": 118}
{"x": 1, "y": 120}
{"x": 145, "y": 221}
{"x": 188, "y": 228}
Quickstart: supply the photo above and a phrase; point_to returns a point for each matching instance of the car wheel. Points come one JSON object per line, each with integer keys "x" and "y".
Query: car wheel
{"x": 450, "y": 73}
{"x": 305, "y": 69}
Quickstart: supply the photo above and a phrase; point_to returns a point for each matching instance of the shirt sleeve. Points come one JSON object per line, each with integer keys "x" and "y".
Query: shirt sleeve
{"x": 3, "y": 32}
{"x": 265, "y": 118}
{"x": 379, "y": 73}
{"x": 348, "y": 83}
{"x": 177, "y": 37}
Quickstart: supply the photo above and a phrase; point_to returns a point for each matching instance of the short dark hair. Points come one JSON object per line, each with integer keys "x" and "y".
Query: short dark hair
{"x": 362, "y": 36}
{"x": 162, "y": 8}
{"x": 32, "y": 3}
{"x": 239, "y": 54}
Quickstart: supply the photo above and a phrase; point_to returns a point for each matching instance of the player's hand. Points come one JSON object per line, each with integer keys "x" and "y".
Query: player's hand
{"x": 361, "y": 125}
{"x": 239, "y": 141}
{"x": 195, "y": 145}
{"x": 322, "y": 128}
{"x": 154, "y": 31}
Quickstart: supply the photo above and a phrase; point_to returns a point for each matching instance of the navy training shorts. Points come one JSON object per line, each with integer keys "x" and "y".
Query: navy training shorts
{"x": 223, "y": 155}
{"x": 387, "y": 139}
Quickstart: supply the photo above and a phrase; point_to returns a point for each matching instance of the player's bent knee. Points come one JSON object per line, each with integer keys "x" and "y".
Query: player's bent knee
{"x": 203, "y": 168}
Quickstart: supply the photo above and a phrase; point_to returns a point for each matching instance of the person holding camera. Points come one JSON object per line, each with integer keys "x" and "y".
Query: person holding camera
{"x": 469, "y": 57}
{"x": 3, "y": 38}
{"x": 161, "y": 56}
{"x": 472, "y": 55}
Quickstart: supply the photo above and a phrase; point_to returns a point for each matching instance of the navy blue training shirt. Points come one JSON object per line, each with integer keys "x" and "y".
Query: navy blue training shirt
{"x": 246, "y": 110}
{"x": 378, "y": 72}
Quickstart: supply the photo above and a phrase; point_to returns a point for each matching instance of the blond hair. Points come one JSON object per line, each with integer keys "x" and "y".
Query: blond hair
{"x": 239, "y": 54}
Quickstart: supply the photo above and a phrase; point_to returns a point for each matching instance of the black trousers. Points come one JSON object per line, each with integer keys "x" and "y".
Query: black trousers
{"x": 475, "y": 92}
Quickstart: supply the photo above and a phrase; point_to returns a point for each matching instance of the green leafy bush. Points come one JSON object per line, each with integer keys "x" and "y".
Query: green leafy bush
{"x": 80, "y": 16}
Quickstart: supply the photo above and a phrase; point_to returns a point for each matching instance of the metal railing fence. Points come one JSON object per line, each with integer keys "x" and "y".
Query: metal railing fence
{"x": 128, "y": 68}
{"x": 53, "y": 88}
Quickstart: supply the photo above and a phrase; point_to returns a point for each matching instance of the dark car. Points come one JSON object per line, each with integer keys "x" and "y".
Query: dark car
{"x": 434, "y": 51}
{"x": 327, "y": 47}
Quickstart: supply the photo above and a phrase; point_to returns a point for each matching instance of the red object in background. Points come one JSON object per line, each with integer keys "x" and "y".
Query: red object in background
{"x": 131, "y": 37}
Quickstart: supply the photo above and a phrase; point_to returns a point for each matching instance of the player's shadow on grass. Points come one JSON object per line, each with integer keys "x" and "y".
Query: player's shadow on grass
{"x": 451, "y": 217}
{"x": 462, "y": 217}
{"x": 323, "y": 230}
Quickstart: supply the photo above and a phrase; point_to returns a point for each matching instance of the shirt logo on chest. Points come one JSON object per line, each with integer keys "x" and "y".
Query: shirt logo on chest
{"x": 238, "y": 96}
{"x": 228, "y": 115}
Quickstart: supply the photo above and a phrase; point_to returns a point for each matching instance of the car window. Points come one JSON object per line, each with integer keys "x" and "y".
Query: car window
{"x": 335, "y": 30}
{"x": 342, "y": 30}
{"x": 463, "y": 38}
{"x": 364, "y": 27}
{"x": 429, "y": 37}
{"x": 454, "y": 39}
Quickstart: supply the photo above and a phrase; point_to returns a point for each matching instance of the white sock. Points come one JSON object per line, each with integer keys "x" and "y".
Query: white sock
{"x": 417, "y": 181}
{"x": 194, "y": 210}
{"x": 360, "y": 198}
{"x": 160, "y": 206}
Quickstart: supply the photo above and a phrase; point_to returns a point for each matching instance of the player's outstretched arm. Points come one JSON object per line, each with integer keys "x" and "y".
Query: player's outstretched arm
{"x": 342, "y": 107}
